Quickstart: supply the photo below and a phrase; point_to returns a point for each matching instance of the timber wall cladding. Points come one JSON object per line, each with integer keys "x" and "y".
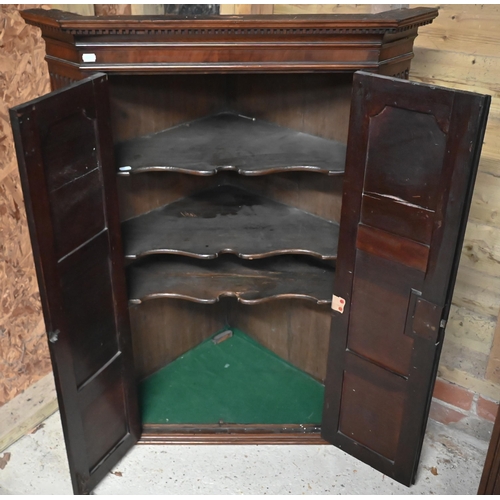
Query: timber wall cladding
{"x": 460, "y": 49}
{"x": 24, "y": 356}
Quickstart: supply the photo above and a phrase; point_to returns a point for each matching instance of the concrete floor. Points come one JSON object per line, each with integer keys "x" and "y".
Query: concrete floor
{"x": 451, "y": 463}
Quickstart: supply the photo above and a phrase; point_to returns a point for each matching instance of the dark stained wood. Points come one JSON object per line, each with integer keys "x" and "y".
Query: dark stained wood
{"x": 232, "y": 434}
{"x": 379, "y": 42}
{"x": 392, "y": 247}
{"x": 66, "y": 166}
{"x": 385, "y": 347}
{"x": 386, "y": 213}
{"x": 381, "y": 286}
{"x": 251, "y": 282}
{"x": 378, "y": 399}
{"x": 91, "y": 323}
{"x": 423, "y": 318}
{"x": 226, "y": 428}
{"x": 229, "y": 141}
{"x": 229, "y": 220}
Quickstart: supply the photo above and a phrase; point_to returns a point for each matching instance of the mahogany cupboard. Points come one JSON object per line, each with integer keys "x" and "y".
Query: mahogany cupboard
{"x": 240, "y": 240}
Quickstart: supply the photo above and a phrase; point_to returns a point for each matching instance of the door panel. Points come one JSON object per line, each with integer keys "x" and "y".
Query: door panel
{"x": 393, "y": 154}
{"x": 403, "y": 219}
{"x": 412, "y": 158}
{"x": 87, "y": 314}
{"x": 378, "y": 397}
{"x": 382, "y": 287}
{"x": 64, "y": 150}
{"x": 73, "y": 213}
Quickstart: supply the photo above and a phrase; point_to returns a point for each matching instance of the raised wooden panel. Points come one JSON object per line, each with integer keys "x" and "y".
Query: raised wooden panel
{"x": 72, "y": 210}
{"x": 87, "y": 296}
{"x": 397, "y": 216}
{"x": 103, "y": 407}
{"x": 404, "y": 156}
{"x": 75, "y": 221}
{"x": 417, "y": 147}
{"x": 382, "y": 287}
{"x": 392, "y": 247}
{"x": 65, "y": 165}
{"x": 371, "y": 412}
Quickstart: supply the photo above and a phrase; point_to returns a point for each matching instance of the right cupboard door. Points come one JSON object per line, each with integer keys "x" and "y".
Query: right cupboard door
{"x": 412, "y": 158}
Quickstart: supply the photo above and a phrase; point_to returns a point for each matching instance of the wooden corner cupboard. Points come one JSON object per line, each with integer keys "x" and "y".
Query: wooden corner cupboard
{"x": 241, "y": 238}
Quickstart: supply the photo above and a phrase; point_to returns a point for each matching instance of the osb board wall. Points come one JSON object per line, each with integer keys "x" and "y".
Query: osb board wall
{"x": 24, "y": 356}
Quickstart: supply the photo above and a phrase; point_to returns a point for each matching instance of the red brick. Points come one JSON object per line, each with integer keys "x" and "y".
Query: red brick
{"x": 487, "y": 409}
{"x": 453, "y": 394}
{"x": 443, "y": 414}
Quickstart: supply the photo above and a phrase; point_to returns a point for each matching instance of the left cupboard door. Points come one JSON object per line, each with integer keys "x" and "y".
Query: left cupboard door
{"x": 65, "y": 155}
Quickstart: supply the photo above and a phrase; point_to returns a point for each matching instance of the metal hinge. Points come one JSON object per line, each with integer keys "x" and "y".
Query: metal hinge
{"x": 54, "y": 336}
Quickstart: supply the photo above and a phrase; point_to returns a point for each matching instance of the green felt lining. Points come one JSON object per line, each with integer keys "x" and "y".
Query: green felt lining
{"x": 236, "y": 381}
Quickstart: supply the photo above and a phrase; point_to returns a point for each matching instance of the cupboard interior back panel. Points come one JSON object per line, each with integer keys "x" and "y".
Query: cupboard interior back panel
{"x": 294, "y": 329}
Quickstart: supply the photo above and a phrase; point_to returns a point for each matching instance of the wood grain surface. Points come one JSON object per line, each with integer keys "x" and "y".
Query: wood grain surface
{"x": 228, "y": 219}
{"x": 251, "y": 282}
{"x": 230, "y": 142}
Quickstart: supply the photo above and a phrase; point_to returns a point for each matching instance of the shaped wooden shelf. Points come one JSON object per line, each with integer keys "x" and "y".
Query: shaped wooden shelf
{"x": 228, "y": 219}
{"x": 251, "y": 282}
{"x": 229, "y": 141}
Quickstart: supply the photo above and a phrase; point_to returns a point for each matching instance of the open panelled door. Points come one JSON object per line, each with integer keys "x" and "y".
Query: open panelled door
{"x": 412, "y": 158}
{"x": 65, "y": 155}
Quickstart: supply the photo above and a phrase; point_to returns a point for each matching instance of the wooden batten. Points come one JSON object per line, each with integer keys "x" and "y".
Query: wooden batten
{"x": 23, "y": 413}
